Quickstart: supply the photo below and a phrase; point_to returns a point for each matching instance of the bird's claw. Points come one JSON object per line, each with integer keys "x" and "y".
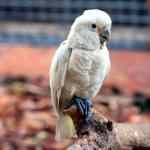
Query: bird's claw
{"x": 83, "y": 106}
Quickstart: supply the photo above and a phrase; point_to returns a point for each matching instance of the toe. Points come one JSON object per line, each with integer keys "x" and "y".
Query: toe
{"x": 79, "y": 105}
{"x": 86, "y": 111}
{"x": 88, "y": 105}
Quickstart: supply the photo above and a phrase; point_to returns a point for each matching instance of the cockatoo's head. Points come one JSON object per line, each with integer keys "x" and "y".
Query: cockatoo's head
{"x": 91, "y": 30}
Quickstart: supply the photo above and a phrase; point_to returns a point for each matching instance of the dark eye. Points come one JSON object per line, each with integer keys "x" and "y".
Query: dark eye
{"x": 93, "y": 26}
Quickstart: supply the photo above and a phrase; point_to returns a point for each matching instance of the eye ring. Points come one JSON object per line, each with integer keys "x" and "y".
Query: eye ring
{"x": 93, "y": 26}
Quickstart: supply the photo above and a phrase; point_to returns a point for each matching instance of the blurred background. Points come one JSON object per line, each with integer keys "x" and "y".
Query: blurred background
{"x": 30, "y": 32}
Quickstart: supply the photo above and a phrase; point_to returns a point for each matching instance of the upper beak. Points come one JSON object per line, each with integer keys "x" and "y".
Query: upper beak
{"x": 105, "y": 35}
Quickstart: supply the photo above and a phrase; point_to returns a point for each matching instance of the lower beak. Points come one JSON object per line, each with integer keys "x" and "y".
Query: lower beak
{"x": 105, "y": 35}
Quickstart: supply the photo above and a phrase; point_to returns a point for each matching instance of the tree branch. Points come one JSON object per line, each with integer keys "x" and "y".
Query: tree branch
{"x": 98, "y": 133}
{"x": 133, "y": 135}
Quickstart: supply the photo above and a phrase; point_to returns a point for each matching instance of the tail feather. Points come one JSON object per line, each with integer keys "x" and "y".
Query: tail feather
{"x": 65, "y": 128}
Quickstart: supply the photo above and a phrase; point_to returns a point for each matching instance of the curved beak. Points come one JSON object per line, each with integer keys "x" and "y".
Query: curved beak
{"x": 105, "y": 35}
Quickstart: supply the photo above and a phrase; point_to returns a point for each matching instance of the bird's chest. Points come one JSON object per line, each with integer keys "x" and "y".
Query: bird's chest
{"x": 83, "y": 66}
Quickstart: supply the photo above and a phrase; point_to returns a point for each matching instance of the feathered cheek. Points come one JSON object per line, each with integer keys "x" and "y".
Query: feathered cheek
{"x": 95, "y": 39}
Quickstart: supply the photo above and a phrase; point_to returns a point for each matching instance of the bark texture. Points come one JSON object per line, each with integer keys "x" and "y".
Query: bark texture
{"x": 98, "y": 133}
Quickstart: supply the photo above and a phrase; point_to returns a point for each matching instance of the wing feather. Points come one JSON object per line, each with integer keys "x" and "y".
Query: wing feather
{"x": 58, "y": 73}
{"x": 107, "y": 63}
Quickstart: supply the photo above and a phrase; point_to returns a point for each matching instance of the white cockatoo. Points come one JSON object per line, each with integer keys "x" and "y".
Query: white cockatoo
{"x": 79, "y": 67}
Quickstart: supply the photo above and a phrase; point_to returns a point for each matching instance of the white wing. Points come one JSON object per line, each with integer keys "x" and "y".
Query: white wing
{"x": 107, "y": 63}
{"x": 58, "y": 73}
